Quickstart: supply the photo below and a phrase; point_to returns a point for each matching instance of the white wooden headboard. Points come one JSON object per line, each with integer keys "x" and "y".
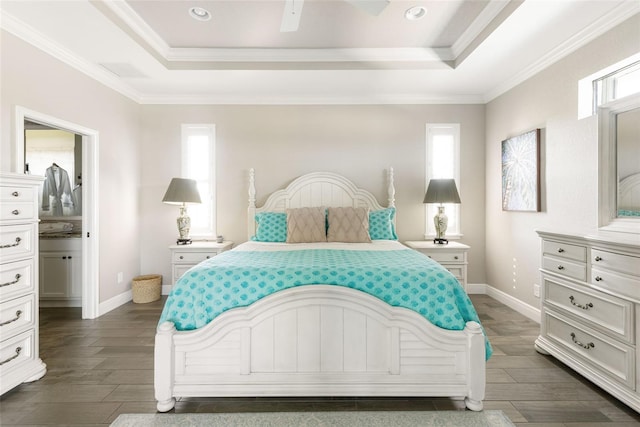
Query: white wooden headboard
{"x": 316, "y": 189}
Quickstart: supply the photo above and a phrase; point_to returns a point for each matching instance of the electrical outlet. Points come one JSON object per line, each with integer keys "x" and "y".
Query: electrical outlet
{"x": 120, "y": 277}
{"x": 536, "y": 290}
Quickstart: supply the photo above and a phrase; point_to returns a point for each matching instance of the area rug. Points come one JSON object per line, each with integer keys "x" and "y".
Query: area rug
{"x": 321, "y": 419}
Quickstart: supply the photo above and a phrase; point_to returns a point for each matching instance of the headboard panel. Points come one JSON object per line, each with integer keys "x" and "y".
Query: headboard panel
{"x": 315, "y": 189}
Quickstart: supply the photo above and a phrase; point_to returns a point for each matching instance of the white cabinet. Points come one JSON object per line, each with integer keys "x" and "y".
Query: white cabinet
{"x": 590, "y": 306}
{"x": 452, "y": 256}
{"x": 19, "y": 357}
{"x": 61, "y": 271}
{"x": 183, "y": 257}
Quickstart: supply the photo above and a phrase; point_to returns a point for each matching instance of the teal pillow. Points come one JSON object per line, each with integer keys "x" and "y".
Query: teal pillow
{"x": 272, "y": 227}
{"x": 382, "y": 224}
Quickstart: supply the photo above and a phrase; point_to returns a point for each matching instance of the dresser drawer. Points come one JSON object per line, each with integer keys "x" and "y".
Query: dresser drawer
{"x": 10, "y": 194}
{"x": 15, "y": 351}
{"x": 565, "y": 267}
{"x": 618, "y": 283}
{"x": 612, "y": 315}
{"x": 17, "y": 315}
{"x": 564, "y": 250}
{"x": 179, "y": 270}
{"x": 458, "y": 272}
{"x": 17, "y": 211}
{"x": 192, "y": 257}
{"x": 618, "y": 262}
{"x": 17, "y": 279}
{"x": 444, "y": 257}
{"x": 17, "y": 242}
{"x": 613, "y": 359}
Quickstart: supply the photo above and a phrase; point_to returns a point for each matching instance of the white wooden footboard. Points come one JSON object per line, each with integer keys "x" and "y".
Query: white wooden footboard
{"x": 319, "y": 340}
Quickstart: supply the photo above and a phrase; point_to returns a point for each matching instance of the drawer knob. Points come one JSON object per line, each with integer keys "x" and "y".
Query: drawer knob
{"x": 599, "y": 279}
{"x": 18, "y": 314}
{"x": 18, "y": 276}
{"x": 560, "y": 250}
{"x": 598, "y": 258}
{"x": 10, "y": 245}
{"x": 455, "y": 257}
{"x": 181, "y": 257}
{"x": 578, "y": 343}
{"x": 15, "y": 212}
{"x": 584, "y": 307}
{"x": 18, "y": 350}
{"x": 15, "y": 194}
{"x": 561, "y": 267}
{"x": 208, "y": 256}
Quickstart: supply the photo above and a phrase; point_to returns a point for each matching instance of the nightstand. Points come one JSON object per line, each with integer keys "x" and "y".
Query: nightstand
{"x": 183, "y": 257}
{"x": 452, "y": 256}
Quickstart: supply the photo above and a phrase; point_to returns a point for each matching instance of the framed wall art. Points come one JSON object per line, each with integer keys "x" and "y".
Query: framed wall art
{"x": 521, "y": 172}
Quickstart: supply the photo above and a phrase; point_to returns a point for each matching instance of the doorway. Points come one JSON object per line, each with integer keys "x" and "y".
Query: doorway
{"x": 88, "y": 212}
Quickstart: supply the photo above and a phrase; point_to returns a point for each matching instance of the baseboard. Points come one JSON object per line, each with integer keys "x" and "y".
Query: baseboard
{"x": 115, "y": 302}
{"x": 526, "y": 310}
{"x": 49, "y": 303}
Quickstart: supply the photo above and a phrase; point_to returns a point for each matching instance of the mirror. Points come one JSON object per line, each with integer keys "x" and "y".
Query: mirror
{"x": 619, "y": 159}
{"x": 57, "y": 155}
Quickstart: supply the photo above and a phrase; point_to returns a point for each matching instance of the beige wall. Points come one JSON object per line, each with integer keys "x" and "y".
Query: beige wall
{"x": 284, "y": 142}
{"x": 549, "y": 101}
{"x": 34, "y": 80}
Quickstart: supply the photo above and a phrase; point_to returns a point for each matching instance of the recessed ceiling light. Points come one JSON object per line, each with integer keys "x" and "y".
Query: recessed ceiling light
{"x": 199, "y": 13}
{"x": 415, "y": 12}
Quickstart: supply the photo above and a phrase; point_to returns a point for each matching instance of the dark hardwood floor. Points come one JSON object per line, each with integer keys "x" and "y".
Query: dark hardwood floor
{"x": 98, "y": 369}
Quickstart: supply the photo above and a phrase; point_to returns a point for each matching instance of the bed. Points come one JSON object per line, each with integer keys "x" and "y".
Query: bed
{"x": 629, "y": 196}
{"x": 313, "y": 338}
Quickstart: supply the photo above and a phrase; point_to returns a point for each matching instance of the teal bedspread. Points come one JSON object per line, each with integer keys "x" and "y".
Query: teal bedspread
{"x": 401, "y": 278}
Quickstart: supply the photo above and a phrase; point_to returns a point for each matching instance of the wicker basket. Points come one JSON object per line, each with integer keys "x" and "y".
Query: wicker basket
{"x": 146, "y": 288}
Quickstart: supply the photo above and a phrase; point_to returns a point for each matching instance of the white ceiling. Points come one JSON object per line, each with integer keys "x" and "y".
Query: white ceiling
{"x": 462, "y": 51}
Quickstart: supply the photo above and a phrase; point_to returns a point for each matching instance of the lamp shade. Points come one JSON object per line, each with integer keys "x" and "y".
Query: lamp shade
{"x": 182, "y": 190}
{"x": 442, "y": 191}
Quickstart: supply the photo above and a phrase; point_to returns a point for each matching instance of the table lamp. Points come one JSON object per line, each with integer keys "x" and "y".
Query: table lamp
{"x": 441, "y": 191}
{"x": 180, "y": 192}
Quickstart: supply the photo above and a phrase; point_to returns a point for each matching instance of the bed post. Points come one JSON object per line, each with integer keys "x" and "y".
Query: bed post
{"x": 164, "y": 372}
{"x": 477, "y": 366}
{"x": 391, "y": 190}
{"x": 251, "y": 211}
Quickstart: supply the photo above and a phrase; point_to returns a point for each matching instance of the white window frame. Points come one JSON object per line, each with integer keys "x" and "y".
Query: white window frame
{"x": 587, "y": 93}
{"x": 204, "y": 231}
{"x": 453, "y": 211}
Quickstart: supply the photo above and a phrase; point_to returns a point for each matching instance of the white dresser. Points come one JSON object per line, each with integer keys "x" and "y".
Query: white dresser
{"x": 19, "y": 359}
{"x": 591, "y": 308}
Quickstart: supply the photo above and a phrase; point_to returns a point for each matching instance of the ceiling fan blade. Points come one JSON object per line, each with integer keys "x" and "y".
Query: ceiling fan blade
{"x": 291, "y": 16}
{"x": 372, "y": 7}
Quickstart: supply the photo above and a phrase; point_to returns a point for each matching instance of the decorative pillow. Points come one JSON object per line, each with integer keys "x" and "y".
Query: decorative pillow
{"x": 382, "y": 224}
{"x": 306, "y": 225}
{"x": 350, "y": 225}
{"x": 272, "y": 227}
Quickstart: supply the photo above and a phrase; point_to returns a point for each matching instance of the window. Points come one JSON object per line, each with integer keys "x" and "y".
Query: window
{"x": 443, "y": 161}
{"x": 614, "y": 82}
{"x": 198, "y": 162}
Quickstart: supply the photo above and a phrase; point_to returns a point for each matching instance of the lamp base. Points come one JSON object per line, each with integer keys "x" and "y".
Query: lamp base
{"x": 184, "y": 241}
{"x": 440, "y": 241}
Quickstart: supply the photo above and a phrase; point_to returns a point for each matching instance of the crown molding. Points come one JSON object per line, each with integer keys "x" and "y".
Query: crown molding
{"x": 309, "y": 100}
{"x": 605, "y": 23}
{"x": 30, "y": 35}
{"x": 473, "y": 31}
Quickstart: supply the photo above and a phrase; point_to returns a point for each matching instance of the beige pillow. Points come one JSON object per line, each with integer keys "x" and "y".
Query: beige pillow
{"x": 349, "y": 225}
{"x": 306, "y": 225}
